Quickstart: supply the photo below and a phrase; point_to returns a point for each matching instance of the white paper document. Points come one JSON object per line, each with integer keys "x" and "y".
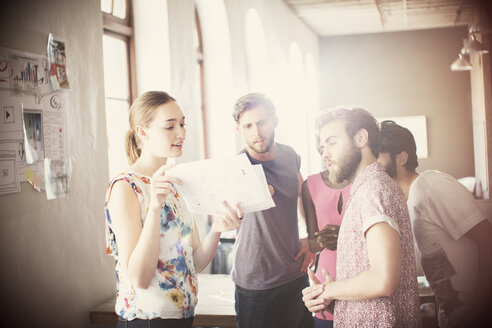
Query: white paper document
{"x": 207, "y": 183}
{"x": 11, "y": 131}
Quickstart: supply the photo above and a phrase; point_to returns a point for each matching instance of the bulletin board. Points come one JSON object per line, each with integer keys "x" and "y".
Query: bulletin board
{"x": 33, "y": 122}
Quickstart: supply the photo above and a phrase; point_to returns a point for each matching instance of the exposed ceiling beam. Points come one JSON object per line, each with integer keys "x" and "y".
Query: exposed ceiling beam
{"x": 337, "y": 17}
{"x": 381, "y": 18}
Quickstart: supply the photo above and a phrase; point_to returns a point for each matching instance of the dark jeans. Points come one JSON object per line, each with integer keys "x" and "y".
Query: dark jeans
{"x": 320, "y": 323}
{"x": 279, "y": 307}
{"x": 155, "y": 323}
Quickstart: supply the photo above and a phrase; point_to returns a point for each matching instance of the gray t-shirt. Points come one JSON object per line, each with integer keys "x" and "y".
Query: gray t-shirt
{"x": 268, "y": 241}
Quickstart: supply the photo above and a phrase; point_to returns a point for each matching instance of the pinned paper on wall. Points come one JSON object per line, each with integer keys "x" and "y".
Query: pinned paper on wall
{"x": 58, "y": 64}
{"x": 34, "y": 179}
{"x": 33, "y": 134}
{"x": 11, "y": 131}
{"x": 24, "y": 73}
{"x": 54, "y": 124}
{"x": 57, "y": 175}
{"x": 9, "y": 178}
{"x": 5, "y": 68}
{"x": 33, "y": 116}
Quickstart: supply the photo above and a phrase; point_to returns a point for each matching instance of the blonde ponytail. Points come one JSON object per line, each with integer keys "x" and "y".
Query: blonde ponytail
{"x": 131, "y": 146}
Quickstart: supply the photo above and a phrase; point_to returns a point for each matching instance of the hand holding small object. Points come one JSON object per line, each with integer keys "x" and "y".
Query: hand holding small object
{"x": 328, "y": 236}
{"x": 314, "y": 296}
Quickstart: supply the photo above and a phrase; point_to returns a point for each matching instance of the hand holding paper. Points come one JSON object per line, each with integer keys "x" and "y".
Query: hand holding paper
{"x": 228, "y": 219}
{"x": 161, "y": 186}
{"x": 207, "y": 183}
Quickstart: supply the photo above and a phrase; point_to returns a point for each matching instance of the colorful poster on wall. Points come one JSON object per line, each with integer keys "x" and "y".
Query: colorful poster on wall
{"x": 33, "y": 135}
{"x": 58, "y": 64}
{"x": 24, "y": 73}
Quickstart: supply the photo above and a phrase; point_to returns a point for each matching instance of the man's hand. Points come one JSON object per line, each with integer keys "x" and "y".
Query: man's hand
{"x": 314, "y": 297}
{"x": 330, "y": 307}
{"x": 328, "y": 237}
{"x": 309, "y": 257}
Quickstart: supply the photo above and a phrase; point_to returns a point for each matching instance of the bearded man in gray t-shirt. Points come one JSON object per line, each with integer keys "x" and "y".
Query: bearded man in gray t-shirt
{"x": 270, "y": 260}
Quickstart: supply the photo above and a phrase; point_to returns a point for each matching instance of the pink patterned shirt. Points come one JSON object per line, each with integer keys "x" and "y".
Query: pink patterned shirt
{"x": 375, "y": 197}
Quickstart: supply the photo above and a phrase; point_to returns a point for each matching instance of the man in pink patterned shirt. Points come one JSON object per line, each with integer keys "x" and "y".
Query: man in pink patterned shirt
{"x": 376, "y": 276}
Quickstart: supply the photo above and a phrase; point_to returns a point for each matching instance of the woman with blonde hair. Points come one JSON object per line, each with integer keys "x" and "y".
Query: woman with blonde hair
{"x": 149, "y": 231}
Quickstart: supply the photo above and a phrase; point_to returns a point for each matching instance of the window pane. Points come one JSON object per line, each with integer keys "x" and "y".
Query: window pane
{"x": 116, "y": 76}
{"x": 106, "y": 6}
{"x": 116, "y": 127}
{"x": 119, "y": 9}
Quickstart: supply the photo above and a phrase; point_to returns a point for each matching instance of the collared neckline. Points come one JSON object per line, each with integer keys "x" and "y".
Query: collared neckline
{"x": 365, "y": 174}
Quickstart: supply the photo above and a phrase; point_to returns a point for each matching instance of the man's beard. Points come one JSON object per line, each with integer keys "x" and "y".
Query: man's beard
{"x": 391, "y": 168}
{"x": 347, "y": 165}
{"x": 262, "y": 150}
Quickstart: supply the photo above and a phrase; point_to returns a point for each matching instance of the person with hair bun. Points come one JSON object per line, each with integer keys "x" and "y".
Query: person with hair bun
{"x": 453, "y": 235}
{"x": 149, "y": 231}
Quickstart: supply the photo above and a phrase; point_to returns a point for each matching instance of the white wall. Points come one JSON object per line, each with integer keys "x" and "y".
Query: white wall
{"x": 52, "y": 253}
{"x": 406, "y": 73}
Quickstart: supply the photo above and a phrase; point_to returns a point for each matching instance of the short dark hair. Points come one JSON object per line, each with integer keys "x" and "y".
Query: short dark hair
{"x": 395, "y": 139}
{"x": 252, "y": 100}
{"x": 354, "y": 119}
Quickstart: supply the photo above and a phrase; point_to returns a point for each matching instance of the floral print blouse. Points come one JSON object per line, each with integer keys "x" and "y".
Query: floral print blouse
{"x": 172, "y": 293}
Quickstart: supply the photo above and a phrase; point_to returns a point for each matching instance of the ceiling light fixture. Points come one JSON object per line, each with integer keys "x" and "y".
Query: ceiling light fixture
{"x": 473, "y": 46}
{"x": 462, "y": 63}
